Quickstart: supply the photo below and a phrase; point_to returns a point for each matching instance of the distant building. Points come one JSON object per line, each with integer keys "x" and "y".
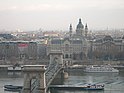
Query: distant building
{"x": 108, "y": 48}
{"x": 74, "y": 46}
{"x": 81, "y": 31}
{"x": 7, "y": 36}
{"x": 18, "y": 50}
{"x": 51, "y": 34}
{"x": 41, "y": 49}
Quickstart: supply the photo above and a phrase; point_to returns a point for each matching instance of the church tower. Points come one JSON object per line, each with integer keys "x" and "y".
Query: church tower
{"x": 86, "y": 30}
{"x": 70, "y": 30}
{"x": 80, "y": 29}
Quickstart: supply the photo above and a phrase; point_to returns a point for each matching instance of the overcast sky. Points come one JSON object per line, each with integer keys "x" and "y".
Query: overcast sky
{"x": 58, "y": 14}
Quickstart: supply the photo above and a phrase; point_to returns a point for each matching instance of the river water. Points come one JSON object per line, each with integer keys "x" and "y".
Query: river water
{"x": 114, "y": 82}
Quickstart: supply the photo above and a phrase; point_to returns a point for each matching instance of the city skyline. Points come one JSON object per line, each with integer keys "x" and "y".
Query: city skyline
{"x": 57, "y": 15}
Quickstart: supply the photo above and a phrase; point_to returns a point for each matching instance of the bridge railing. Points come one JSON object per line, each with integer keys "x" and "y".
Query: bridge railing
{"x": 49, "y": 74}
{"x": 34, "y": 86}
{"x": 51, "y": 71}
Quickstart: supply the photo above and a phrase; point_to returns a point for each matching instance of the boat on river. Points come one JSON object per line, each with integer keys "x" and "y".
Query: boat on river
{"x": 78, "y": 87}
{"x": 100, "y": 68}
{"x": 12, "y": 88}
{"x": 94, "y": 87}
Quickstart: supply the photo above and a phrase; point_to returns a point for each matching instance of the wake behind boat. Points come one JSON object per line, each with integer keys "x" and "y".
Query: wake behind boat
{"x": 100, "y": 68}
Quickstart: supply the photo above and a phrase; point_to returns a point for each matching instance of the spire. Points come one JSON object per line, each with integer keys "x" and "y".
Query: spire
{"x": 86, "y": 27}
{"x": 86, "y": 30}
{"x": 80, "y": 21}
{"x": 70, "y": 30}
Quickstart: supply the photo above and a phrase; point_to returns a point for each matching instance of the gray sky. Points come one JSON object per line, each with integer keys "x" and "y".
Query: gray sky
{"x": 58, "y": 14}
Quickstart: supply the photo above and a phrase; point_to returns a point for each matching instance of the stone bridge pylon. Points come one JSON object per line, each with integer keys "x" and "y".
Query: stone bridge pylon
{"x": 37, "y": 78}
{"x": 56, "y": 57}
{"x": 34, "y": 74}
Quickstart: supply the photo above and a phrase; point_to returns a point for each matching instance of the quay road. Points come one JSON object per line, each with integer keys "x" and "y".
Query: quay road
{"x": 19, "y": 68}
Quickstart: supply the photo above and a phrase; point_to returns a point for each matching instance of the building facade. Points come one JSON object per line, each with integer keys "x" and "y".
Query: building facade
{"x": 108, "y": 48}
{"x": 74, "y": 46}
{"x": 18, "y": 50}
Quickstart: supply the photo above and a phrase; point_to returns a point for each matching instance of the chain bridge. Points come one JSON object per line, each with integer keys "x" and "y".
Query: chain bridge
{"x": 37, "y": 78}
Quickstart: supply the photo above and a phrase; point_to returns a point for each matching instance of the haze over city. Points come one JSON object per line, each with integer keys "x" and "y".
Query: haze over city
{"x": 57, "y": 15}
{"x": 62, "y": 46}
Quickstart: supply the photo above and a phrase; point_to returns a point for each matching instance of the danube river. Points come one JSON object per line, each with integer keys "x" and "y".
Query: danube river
{"x": 114, "y": 82}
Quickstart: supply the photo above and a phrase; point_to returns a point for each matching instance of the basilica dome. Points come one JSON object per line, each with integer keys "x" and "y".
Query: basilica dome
{"x": 80, "y": 25}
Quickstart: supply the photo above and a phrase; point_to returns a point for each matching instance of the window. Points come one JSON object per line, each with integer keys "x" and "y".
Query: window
{"x": 66, "y": 56}
{"x": 66, "y": 47}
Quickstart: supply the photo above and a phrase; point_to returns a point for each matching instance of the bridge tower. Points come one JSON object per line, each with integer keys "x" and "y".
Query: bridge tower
{"x": 34, "y": 74}
{"x": 56, "y": 57}
{"x": 37, "y": 79}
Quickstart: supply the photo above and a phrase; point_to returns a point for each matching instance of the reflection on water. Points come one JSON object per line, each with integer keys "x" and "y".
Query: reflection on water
{"x": 5, "y": 74}
{"x": 14, "y": 74}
